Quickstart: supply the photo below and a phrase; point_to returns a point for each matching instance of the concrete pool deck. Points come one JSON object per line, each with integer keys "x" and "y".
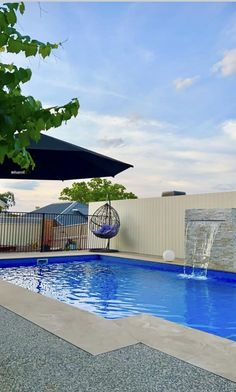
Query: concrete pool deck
{"x": 97, "y": 337}
{"x": 33, "y": 360}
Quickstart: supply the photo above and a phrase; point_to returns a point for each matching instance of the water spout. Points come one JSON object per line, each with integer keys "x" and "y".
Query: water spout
{"x": 200, "y": 236}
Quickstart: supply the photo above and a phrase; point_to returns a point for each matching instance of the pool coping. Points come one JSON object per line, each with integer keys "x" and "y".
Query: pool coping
{"x": 132, "y": 256}
{"x": 97, "y": 335}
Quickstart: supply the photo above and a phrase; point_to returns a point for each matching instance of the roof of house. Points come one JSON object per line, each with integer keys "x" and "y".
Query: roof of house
{"x": 63, "y": 208}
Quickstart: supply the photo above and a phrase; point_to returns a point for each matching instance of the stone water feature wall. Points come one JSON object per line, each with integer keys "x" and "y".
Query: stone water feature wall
{"x": 223, "y": 250}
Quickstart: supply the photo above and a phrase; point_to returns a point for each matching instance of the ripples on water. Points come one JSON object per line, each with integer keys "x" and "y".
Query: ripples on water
{"x": 115, "y": 289}
{"x": 193, "y": 276}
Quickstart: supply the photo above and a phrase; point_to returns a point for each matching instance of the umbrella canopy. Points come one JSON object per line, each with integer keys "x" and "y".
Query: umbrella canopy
{"x": 59, "y": 160}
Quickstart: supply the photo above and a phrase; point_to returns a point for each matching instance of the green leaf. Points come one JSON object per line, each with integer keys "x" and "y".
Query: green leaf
{"x": 66, "y": 115}
{"x": 13, "y": 46}
{"x": 12, "y": 6}
{"x": 34, "y": 134}
{"x": 22, "y": 118}
{"x": 31, "y": 101}
{"x": 24, "y": 139}
{"x": 54, "y": 46}
{"x": 17, "y": 46}
{"x": 11, "y": 67}
{"x": 11, "y": 17}
{"x": 37, "y": 136}
{"x": 3, "y": 39}
{"x": 29, "y": 73}
{"x": 44, "y": 50}
{"x": 26, "y": 38}
{"x": 37, "y": 43}
{"x": 22, "y": 8}
{"x": 3, "y": 22}
{"x": 11, "y": 30}
{"x": 24, "y": 74}
{"x": 8, "y": 120}
{"x": 30, "y": 49}
{"x": 49, "y": 124}
{"x": 38, "y": 105}
{"x": 74, "y": 108}
{"x": 57, "y": 120}
{"x": 3, "y": 152}
{"x": 40, "y": 124}
{"x": 23, "y": 159}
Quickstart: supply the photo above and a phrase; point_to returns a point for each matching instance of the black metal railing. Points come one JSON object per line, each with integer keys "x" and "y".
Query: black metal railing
{"x": 29, "y": 232}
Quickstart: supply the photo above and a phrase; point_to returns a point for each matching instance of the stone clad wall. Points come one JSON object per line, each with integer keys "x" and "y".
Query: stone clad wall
{"x": 223, "y": 252}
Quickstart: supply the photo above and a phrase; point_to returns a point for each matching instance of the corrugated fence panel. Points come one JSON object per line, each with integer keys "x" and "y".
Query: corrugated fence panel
{"x": 150, "y": 226}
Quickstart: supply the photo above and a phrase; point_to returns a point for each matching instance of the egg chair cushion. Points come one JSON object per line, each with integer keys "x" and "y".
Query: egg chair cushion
{"x": 106, "y": 230}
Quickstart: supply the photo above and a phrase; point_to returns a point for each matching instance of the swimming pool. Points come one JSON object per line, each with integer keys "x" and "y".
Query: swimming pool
{"x": 114, "y": 287}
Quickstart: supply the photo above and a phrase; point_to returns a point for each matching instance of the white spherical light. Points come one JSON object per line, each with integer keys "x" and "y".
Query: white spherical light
{"x": 168, "y": 255}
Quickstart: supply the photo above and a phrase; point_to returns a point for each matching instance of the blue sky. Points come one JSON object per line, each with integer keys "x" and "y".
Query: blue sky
{"x": 156, "y": 84}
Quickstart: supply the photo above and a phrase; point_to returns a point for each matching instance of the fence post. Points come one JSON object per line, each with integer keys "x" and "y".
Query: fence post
{"x": 42, "y": 233}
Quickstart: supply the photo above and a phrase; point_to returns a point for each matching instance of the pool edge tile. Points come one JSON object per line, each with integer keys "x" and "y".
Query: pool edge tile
{"x": 202, "y": 349}
{"x": 85, "y": 330}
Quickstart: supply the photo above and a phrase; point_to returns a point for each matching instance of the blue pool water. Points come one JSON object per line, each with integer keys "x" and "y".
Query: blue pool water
{"x": 114, "y": 288}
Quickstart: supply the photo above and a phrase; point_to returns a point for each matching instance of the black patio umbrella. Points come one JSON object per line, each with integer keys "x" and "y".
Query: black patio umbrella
{"x": 59, "y": 160}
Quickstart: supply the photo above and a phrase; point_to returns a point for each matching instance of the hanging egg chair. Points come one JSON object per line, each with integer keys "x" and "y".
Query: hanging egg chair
{"x": 105, "y": 223}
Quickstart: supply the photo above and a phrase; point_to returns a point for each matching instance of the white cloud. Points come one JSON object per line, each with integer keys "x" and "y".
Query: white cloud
{"x": 229, "y": 128}
{"x": 182, "y": 83}
{"x": 112, "y": 142}
{"x": 24, "y": 185}
{"x": 163, "y": 158}
{"x": 226, "y": 66}
{"x": 45, "y": 193}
